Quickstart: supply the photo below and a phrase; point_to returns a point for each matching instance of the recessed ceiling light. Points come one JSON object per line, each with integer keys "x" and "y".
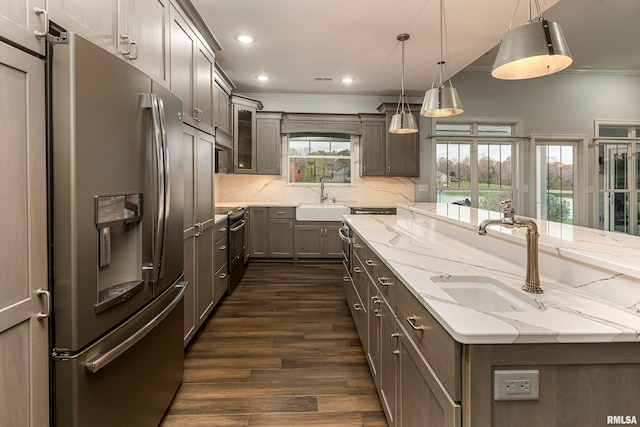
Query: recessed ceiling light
{"x": 245, "y": 38}
{"x": 262, "y": 77}
{"x": 347, "y": 80}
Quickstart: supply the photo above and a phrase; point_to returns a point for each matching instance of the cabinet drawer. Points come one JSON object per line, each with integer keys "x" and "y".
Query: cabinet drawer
{"x": 220, "y": 253}
{"x": 439, "y": 349}
{"x": 383, "y": 278}
{"x": 220, "y": 230}
{"x": 281, "y": 212}
{"x": 359, "y": 248}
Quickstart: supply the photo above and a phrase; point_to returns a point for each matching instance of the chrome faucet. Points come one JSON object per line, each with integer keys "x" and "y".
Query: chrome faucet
{"x": 510, "y": 220}
{"x": 323, "y": 196}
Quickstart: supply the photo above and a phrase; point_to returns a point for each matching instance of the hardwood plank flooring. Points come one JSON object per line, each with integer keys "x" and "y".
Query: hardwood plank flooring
{"x": 281, "y": 351}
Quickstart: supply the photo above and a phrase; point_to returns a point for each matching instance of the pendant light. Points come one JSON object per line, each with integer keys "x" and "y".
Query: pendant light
{"x": 441, "y": 101}
{"x": 534, "y": 49}
{"x": 403, "y": 121}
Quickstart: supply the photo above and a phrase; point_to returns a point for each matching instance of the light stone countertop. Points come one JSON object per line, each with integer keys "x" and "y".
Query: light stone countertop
{"x": 349, "y": 204}
{"x": 428, "y": 240}
{"x": 218, "y": 218}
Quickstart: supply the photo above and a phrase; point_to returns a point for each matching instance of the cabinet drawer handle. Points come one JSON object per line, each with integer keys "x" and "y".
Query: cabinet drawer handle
{"x": 357, "y": 306}
{"x": 358, "y": 246}
{"x": 357, "y": 270}
{"x": 43, "y": 33}
{"x": 384, "y": 281}
{"x": 412, "y": 323}
{"x": 374, "y": 301}
{"x": 223, "y": 275}
{"x": 280, "y": 212}
{"x": 370, "y": 263}
{"x": 222, "y": 229}
{"x": 222, "y": 248}
{"x": 134, "y": 49}
{"x": 394, "y": 346}
{"x": 345, "y": 278}
{"x": 44, "y": 314}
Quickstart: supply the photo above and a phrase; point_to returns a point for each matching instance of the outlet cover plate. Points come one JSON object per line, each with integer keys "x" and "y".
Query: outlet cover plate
{"x": 516, "y": 384}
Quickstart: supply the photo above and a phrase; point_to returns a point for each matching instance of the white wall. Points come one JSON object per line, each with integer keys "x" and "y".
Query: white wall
{"x": 563, "y": 103}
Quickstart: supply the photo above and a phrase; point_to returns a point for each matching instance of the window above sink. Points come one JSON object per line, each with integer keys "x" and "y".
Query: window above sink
{"x": 316, "y": 156}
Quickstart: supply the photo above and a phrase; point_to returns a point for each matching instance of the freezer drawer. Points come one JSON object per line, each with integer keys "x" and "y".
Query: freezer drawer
{"x": 135, "y": 387}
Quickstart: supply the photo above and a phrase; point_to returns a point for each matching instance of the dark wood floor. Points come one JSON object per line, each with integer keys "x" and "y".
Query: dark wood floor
{"x": 281, "y": 351}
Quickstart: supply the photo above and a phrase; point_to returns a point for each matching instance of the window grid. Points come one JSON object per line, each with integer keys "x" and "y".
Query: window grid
{"x": 317, "y": 157}
{"x": 618, "y": 176}
{"x": 483, "y": 170}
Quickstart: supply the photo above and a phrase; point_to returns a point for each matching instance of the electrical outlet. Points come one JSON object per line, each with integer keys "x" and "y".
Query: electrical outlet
{"x": 516, "y": 385}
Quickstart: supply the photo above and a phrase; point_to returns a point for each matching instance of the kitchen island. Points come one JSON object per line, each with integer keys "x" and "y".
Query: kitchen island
{"x": 569, "y": 357}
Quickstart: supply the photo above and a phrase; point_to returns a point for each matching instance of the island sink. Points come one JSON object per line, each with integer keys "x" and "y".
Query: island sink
{"x": 486, "y": 294}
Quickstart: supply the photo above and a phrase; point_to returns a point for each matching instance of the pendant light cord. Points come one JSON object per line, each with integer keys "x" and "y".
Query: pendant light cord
{"x": 515, "y": 10}
{"x": 403, "y": 98}
{"x": 441, "y": 63}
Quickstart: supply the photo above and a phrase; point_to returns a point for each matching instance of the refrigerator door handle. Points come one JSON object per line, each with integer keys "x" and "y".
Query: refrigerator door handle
{"x": 167, "y": 193}
{"x": 150, "y": 101}
{"x": 104, "y": 359}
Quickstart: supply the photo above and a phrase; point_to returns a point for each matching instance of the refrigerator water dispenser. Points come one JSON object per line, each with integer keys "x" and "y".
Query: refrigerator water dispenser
{"x": 118, "y": 223}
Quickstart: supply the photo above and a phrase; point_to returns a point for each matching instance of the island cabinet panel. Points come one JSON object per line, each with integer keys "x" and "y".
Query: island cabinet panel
{"x": 579, "y": 384}
{"x": 421, "y": 396}
{"x": 389, "y": 363}
{"x": 438, "y": 347}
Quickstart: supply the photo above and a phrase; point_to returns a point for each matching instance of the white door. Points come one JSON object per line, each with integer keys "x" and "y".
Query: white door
{"x": 24, "y": 377}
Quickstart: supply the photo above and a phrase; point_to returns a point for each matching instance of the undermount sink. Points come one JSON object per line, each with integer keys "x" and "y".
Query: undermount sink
{"x": 321, "y": 212}
{"x": 486, "y": 294}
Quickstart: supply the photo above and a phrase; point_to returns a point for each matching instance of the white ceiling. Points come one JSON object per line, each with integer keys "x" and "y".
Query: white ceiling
{"x": 299, "y": 40}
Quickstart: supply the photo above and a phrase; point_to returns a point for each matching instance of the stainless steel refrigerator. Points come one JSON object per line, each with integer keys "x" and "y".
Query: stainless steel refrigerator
{"x": 116, "y": 198}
